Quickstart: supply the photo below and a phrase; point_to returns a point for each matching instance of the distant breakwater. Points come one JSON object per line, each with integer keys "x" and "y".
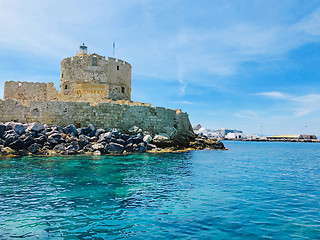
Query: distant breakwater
{"x": 276, "y": 140}
{"x": 18, "y": 139}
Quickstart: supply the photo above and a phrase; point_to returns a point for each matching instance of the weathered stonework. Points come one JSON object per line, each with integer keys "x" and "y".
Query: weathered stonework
{"x": 85, "y": 74}
{"x": 92, "y": 90}
{"x": 104, "y": 115}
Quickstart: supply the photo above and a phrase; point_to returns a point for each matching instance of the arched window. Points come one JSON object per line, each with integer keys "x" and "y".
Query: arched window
{"x": 117, "y": 67}
{"x": 122, "y": 89}
{"x": 65, "y": 86}
{"x": 94, "y": 61}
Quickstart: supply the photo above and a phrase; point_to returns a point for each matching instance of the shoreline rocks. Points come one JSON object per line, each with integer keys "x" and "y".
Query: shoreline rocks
{"x": 18, "y": 139}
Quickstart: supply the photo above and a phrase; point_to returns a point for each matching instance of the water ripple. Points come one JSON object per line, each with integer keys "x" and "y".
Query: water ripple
{"x": 248, "y": 192}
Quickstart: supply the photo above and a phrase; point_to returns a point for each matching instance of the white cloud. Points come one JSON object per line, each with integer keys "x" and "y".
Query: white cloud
{"x": 155, "y": 46}
{"x": 300, "y": 105}
{"x": 246, "y": 114}
{"x": 183, "y": 102}
{"x": 273, "y": 94}
{"x": 306, "y": 104}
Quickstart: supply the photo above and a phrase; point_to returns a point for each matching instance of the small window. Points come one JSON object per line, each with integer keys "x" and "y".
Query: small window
{"x": 35, "y": 112}
{"x": 122, "y": 89}
{"x": 94, "y": 61}
{"x": 117, "y": 67}
{"x": 66, "y": 87}
{"x": 62, "y": 75}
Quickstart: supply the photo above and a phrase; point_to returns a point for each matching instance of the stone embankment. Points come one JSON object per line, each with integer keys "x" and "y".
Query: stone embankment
{"x": 18, "y": 139}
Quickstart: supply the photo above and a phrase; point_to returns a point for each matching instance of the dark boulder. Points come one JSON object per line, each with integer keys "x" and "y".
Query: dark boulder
{"x": 99, "y": 132}
{"x": 116, "y": 133}
{"x": 125, "y": 137}
{"x": 91, "y": 127}
{"x": 130, "y": 147}
{"x": 121, "y": 141}
{"x": 10, "y": 133}
{"x": 151, "y": 147}
{"x": 19, "y": 128}
{"x": 88, "y": 148}
{"x": 8, "y": 125}
{"x": 141, "y": 147}
{"x": 84, "y": 131}
{"x": 2, "y": 130}
{"x": 17, "y": 144}
{"x": 27, "y": 140}
{"x": 56, "y": 136}
{"x": 162, "y": 140}
{"x": 22, "y": 152}
{"x": 83, "y": 140}
{"x": 34, "y": 148}
{"x": 137, "y": 140}
{"x": 72, "y": 148}
{"x": 130, "y": 140}
{"x": 98, "y": 147}
{"x": 41, "y": 139}
{"x": 114, "y": 148}
{"x": 92, "y": 133}
{"x": 93, "y": 139}
{"x": 70, "y": 130}
{"x": 36, "y": 127}
{"x": 52, "y": 142}
{"x": 60, "y": 148}
{"x": 10, "y": 139}
{"x": 105, "y": 137}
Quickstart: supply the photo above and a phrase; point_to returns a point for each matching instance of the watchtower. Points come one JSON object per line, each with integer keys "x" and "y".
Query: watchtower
{"x": 87, "y": 74}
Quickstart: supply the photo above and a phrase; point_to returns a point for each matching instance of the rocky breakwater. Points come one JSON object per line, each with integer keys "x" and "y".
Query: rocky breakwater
{"x": 18, "y": 139}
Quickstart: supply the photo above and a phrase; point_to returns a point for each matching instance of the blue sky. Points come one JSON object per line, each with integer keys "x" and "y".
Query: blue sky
{"x": 250, "y": 65}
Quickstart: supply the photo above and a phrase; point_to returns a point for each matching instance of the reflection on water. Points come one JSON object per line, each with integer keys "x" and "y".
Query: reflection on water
{"x": 254, "y": 190}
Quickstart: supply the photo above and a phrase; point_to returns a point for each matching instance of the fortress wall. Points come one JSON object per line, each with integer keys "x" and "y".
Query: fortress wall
{"x": 107, "y": 115}
{"x": 12, "y": 110}
{"x": 25, "y": 91}
{"x": 104, "y": 115}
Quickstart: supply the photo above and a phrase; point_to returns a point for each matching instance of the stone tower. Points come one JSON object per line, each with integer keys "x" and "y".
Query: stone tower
{"x": 91, "y": 74}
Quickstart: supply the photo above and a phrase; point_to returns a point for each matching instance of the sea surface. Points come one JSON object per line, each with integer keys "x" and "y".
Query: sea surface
{"x": 252, "y": 191}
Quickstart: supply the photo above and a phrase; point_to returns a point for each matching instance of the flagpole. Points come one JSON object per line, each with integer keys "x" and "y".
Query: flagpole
{"x": 114, "y": 46}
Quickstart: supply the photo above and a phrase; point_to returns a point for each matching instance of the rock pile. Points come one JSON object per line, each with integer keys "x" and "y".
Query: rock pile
{"x": 35, "y": 138}
{"x": 202, "y": 142}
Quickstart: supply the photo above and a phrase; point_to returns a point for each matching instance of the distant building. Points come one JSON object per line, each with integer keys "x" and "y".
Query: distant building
{"x": 206, "y": 132}
{"x": 308, "y": 137}
{"x": 224, "y": 131}
{"x": 234, "y": 135}
{"x": 283, "y": 137}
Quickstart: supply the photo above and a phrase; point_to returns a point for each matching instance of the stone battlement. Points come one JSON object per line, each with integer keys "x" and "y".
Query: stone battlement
{"x": 27, "y": 92}
{"x": 110, "y": 59}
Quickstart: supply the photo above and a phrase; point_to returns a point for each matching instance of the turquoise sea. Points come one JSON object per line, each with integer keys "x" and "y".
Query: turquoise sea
{"x": 252, "y": 191}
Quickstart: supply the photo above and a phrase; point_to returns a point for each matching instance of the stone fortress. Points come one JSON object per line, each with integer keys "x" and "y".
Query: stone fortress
{"x": 92, "y": 90}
